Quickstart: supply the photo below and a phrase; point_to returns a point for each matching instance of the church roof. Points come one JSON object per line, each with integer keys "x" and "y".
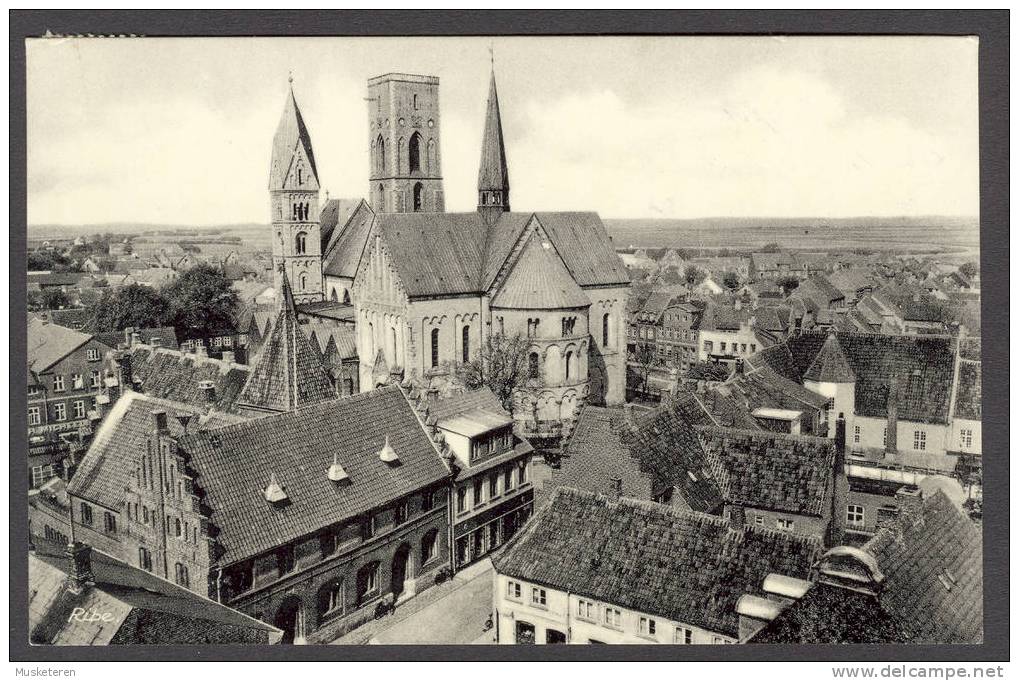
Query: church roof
{"x": 288, "y": 374}
{"x": 335, "y": 213}
{"x": 291, "y": 133}
{"x": 539, "y": 281}
{"x": 344, "y": 245}
{"x": 830, "y": 364}
{"x": 493, "y": 173}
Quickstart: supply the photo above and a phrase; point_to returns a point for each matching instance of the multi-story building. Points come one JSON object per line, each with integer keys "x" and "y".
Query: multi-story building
{"x": 592, "y": 569}
{"x": 309, "y": 520}
{"x": 65, "y": 376}
{"x": 728, "y": 333}
{"x": 492, "y": 492}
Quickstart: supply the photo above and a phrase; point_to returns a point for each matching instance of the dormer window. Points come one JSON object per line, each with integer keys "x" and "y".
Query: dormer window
{"x": 336, "y": 472}
{"x": 387, "y": 453}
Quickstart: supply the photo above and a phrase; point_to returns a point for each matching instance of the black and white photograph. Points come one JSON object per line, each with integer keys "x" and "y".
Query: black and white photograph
{"x": 502, "y": 340}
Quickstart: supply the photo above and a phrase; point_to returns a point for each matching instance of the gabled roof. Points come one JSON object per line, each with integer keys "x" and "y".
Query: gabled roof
{"x": 684, "y": 566}
{"x": 492, "y": 171}
{"x": 288, "y": 374}
{"x": 142, "y": 608}
{"x": 233, "y": 466}
{"x": 538, "y": 280}
{"x": 334, "y": 215}
{"x": 178, "y": 376}
{"x": 107, "y": 467}
{"x": 345, "y": 245}
{"x": 49, "y": 343}
{"x": 932, "y": 592}
{"x": 830, "y": 364}
{"x": 290, "y": 138}
{"x": 774, "y": 471}
{"x": 166, "y": 335}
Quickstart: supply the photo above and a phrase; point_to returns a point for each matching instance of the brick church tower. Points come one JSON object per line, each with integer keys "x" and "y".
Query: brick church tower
{"x": 406, "y": 166}
{"x": 293, "y": 192}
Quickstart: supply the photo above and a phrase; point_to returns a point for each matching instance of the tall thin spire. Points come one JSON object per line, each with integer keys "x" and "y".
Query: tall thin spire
{"x": 493, "y": 173}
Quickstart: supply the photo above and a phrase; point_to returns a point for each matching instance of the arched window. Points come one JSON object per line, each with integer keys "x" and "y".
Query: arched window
{"x": 380, "y": 198}
{"x": 414, "y": 152}
{"x": 419, "y": 191}
{"x": 533, "y": 365}
{"x": 569, "y": 362}
{"x": 605, "y": 330}
{"x": 346, "y": 297}
{"x": 367, "y": 582}
{"x": 332, "y": 295}
{"x": 435, "y": 347}
{"x": 466, "y": 344}
{"x": 304, "y": 281}
{"x": 300, "y": 243}
{"x": 331, "y": 598}
{"x": 300, "y": 176}
{"x": 371, "y": 342}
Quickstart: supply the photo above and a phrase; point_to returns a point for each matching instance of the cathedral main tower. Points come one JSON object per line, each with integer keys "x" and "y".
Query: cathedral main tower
{"x": 293, "y": 193}
{"x": 406, "y": 165}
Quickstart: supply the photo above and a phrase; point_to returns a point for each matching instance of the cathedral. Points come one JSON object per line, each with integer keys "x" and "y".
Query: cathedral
{"x": 426, "y": 289}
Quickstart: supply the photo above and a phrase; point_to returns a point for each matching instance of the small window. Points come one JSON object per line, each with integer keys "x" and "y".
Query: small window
{"x": 855, "y": 515}
{"x": 429, "y": 546}
{"x": 93, "y": 355}
{"x": 479, "y": 492}
{"x": 538, "y": 596}
{"x": 919, "y": 440}
{"x": 77, "y": 381}
{"x": 461, "y": 500}
{"x": 144, "y": 559}
{"x": 86, "y": 514}
{"x": 613, "y": 617}
{"x": 109, "y": 522}
{"x": 400, "y": 514}
{"x": 94, "y": 378}
{"x": 522, "y": 472}
{"x": 181, "y": 575}
{"x": 428, "y": 500}
{"x": 60, "y": 412}
{"x": 533, "y": 365}
{"x": 367, "y": 581}
{"x": 513, "y": 590}
{"x": 368, "y": 527}
{"x": 784, "y": 524}
{"x": 58, "y": 384}
{"x": 966, "y": 435}
{"x": 435, "y": 348}
{"x": 332, "y": 598}
{"x": 683, "y": 636}
{"x": 507, "y": 479}
{"x": 856, "y": 434}
{"x": 79, "y": 409}
{"x": 493, "y": 486}
{"x": 34, "y": 416}
{"x": 647, "y": 626}
{"x": 586, "y": 609}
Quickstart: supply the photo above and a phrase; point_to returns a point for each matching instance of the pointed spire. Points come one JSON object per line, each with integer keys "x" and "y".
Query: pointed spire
{"x": 493, "y": 173}
{"x": 291, "y": 139}
{"x": 286, "y": 293}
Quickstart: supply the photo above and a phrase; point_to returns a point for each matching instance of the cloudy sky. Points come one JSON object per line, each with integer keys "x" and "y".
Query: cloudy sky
{"x": 178, "y": 130}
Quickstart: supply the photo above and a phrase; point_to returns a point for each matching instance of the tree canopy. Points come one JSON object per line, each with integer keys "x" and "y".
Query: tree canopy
{"x": 202, "y": 302}
{"x": 694, "y": 275}
{"x": 731, "y": 280}
{"x": 133, "y": 305}
{"x": 501, "y": 366}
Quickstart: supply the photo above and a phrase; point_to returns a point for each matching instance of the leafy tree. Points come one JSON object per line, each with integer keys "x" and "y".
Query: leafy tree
{"x": 54, "y": 299}
{"x": 731, "y": 281}
{"x": 133, "y": 305}
{"x": 771, "y": 248}
{"x": 642, "y": 360}
{"x": 788, "y": 284}
{"x": 694, "y": 275}
{"x": 968, "y": 269}
{"x": 48, "y": 260}
{"x": 501, "y": 366}
{"x": 202, "y": 302}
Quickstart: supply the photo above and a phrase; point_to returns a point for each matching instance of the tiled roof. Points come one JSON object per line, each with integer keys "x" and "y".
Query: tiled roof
{"x": 492, "y": 171}
{"x": 342, "y": 338}
{"x": 656, "y": 304}
{"x": 933, "y": 566}
{"x": 342, "y": 254}
{"x": 288, "y": 374}
{"x": 55, "y": 278}
{"x": 291, "y": 134}
{"x": 932, "y": 592}
{"x": 334, "y": 214}
{"x": 49, "y": 343}
{"x": 923, "y": 365}
{"x": 718, "y": 317}
{"x": 234, "y": 465}
{"x": 585, "y": 247}
{"x": 538, "y": 280}
{"x": 685, "y": 566}
{"x": 177, "y": 376}
{"x": 166, "y": 334}
{"x": 790, "y": 473}
{"x": 771, "y": 261}
{"x": 140, "y": 605}
{"x": 448, "y": 406}
{"x": 830, "y": 364}
{"x": 968, "y": 399}
{"x": 106, "y": 469}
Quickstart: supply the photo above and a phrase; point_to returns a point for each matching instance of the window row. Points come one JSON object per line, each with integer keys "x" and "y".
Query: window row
{"x": 77, "y": 382}
{"x": 485, "y": 488}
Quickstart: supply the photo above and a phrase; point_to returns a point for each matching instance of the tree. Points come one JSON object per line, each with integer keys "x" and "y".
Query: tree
{"x": 54, "y": 299}
{"x": 968, "y": 269}
{"x": 771, "y": 248}
{"x": 731, "y": 281}
{"x": 643, "y": 360}
{"x": 202, "y": 302}
{"x": 48, "y": 260}
{"x": 694, "y": 275}
{"x": 133, "y": 305}
{"x": 788, "y": 284}
{"x": 501, "y": 366}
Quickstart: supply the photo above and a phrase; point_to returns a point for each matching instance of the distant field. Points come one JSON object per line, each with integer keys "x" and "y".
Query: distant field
{"x": 949, "y": 235}
{"x": 959, "y": 236}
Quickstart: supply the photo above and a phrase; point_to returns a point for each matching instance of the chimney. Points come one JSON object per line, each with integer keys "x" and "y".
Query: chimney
{"x": 126, "y": 379}
{"x": 737, "y": 517}
{"x": 891, "y": 434}
{"x": 159, "y": 420}
{"x": 228, "y": 356}
{"x": 208, "y": 389}
{"x": 840, "y": 435}
{"x": 615, "y": 488}
{"x": 184, "y": 420}
{"x": 81, "y": 566}
{"x": 128, "y": 333}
